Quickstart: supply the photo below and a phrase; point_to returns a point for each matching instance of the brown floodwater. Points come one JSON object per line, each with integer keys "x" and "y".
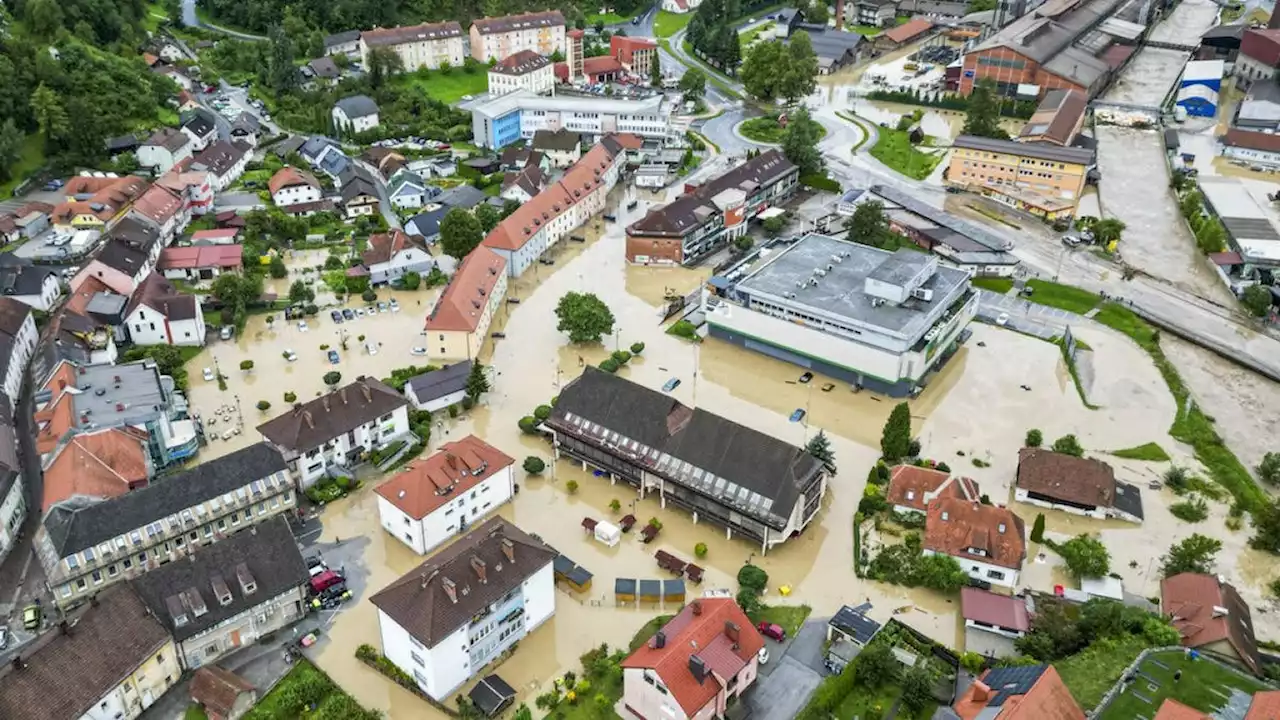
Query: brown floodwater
{"x": 973, "y": 408}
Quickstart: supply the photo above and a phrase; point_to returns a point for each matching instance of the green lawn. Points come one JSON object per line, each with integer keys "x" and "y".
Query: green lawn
{"x": 154, "y": 15}
{"x": 1091, "y": 672}
{"x": 1150, "y": 452}
{"x": 609, "y": 19}
{"x": 745, "y": 38}
{"x": 767, "y": 130}
{"x": 668, "y": 24}
{"x": 1063, "y": 297}
{"x": 29, "y": 161}
{"x": 790, "y": 617}
{"x": 304, "y": 685}
{"x": 647, "y": 631}
{"x": 1000, "y": 285}
{"x": 865, "y": 29}
{"x": 446, "y": 88}
{"x": 894, "y": 149}
{"x": 1203, "y": 686}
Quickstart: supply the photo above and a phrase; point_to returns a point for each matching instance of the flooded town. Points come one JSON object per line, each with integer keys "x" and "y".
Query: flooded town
{"x": 693, "y": 360}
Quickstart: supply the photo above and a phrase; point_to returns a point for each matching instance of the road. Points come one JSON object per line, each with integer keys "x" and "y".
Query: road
{"x": 191, "y": 19}
{"x": 384, "y": 202}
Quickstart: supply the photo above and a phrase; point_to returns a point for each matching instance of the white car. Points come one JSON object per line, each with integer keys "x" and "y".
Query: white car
{"x": 418, "y": 351}
{"x": 208, "y": 374}
{"x": 372, "y": 347}
{"x": 302, "y": 326}
{"x": 290, "y": 355}
{"x": 395, "y": 306}
{"x": 763, "y": 656}
{"x": 1002, "y": 319}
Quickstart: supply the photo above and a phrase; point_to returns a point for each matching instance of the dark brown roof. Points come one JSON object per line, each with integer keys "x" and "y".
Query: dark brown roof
{"x": 220, "y": 157}
{"x": 956, "y": 527}
{"x": 1206, "y": 611}
{"x": 314, "y": 423}
{"x": 13, "y": 315}
{"x": 217, "y": 689}
{"x": 689, "y": 211}
{"x": 564, "y": 140}
{"x": 529, "y": 179}
{"x": 524, "y": 21}
{"x": 160, "y": 295}
{"x": 1057, "y": 117}
{"x": 384, "y": 246}
{"x": 521, "y": 63}
{"x": 1079, "y": 481}
{"x": 1252, "y": 140}
{"x": 445, "y": 592}
{"x": 411, "y": 33}
{"x": 66, "y": 675}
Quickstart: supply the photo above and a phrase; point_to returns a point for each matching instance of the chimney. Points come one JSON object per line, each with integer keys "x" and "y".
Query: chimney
{"x": 839, "y": 14}
{"x": 1219, "y": 611}
{"x": 731, "y": 630}
{"x": 306, "y": 416}
{"x": 451, "y": 590}
{"x": 509, "y": 550}
{"x": 698, "y": 668}
{"x": 368, "y": 395}
{"x": 324, "y": 402}
{"x": 659, "y": 640}
{"x": 478, "y": 565}
{"x": 697, "y": 607}
{"x": 981, "y": 693}
{"x": 343, "y": 394}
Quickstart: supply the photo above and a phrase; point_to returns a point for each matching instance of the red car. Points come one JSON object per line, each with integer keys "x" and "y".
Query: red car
{"x": 770, "y": 630}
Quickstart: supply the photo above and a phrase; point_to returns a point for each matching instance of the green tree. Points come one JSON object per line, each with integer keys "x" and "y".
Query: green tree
{"x": 868, "y": 225}
{"x": 773, "y": 226}
{"x": 820, "y": 447}
{"x": 509, "y": 206}
{"x": 237, "y": 290}
{"x": 383, "y": 62}
{"x": 940, "y": 572}
{"x": 1108, "y": 230}
{"x": 477, "y": 381}
{"x": 277, "y": 268}
{"x": 50, "y": 115}
{"x": 488, "y": 217}
{"x": 460, "y": 233}
{"x": 584, "y": 317}
{"x": 411, "y": 280}
{"x": 983, "y": 112}
{"x": 1268, "y": 470}
{"x": 655, "y": 70}
{"x": 817, "y": 13}
{"x": 300, "y": 293}
{"x": 11, "y": 139}
{"x": 752, "y": 577}
{"x": 895, "y": 441}
{"x": 877, "y": 667}
{"x": 1196, "y": 554}
{"x": 693, "y": 84}
{"x": 762, "y": 70}
{"x": 1191, "y": 205}
{"x": 1034, "y": 438}
{"x": 1085, "y": 556}
{"x": 800, "y": 142}
{"x": 523, "y": 713}
{"x": 1037, "y": 528}
{"x": 246, "y": 365}
{"x": 282, "y": 74}
{"x": 263, "y": 405}
{"x": 917, "y": 689}
{"x": 333, "y": 377}
{"x": 1257, "y": 300}
{"x": 1266, "y": 528}
{"x": 1211, "y": 236}
{"x": 43, "y": 17}
{"x": 534, "y": 465}
{"x": 799, "y": 74}
{"x": 1068, "y": 445}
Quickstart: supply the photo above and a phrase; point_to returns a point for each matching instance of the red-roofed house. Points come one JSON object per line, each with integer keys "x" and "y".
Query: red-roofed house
{"x": 1259, "y": 56}
{"x": 911, "y": 488}
{"x": 694, "y": 664}
{"x": 1265, "y": 706}
{"x": 601, "y": 69}
{"x": 199, "y": 262}
{"x": 1210, "y": 615}
{"x": 988, "y": 541}
{"x": 992, "y": 622}
{"x": 422, "y": 505}
{"x": 164, "y": 209}
{"x": 1033, "y": 692}
{"x": 392, "y": 254}
{"x": 290, "y": 186}
{"x": 635, "y": 54}
{"x": 218, "y": 236}
{"x": 903, "y": 34}
{"x": 459, "y": 323}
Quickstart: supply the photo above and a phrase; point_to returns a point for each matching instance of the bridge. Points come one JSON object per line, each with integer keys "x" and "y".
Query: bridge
{"x": 1169, "y": 46}
{"x": 1152, "y": 110}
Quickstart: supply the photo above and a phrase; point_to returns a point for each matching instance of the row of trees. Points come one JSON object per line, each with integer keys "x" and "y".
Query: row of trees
{"x": 773, "y": 70}
{"x": 712, "y": 35}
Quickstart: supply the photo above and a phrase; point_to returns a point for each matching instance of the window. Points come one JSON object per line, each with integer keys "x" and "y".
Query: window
{"x": 211, "y": 650}
{"x": 127, "y": 563}
{"x": 416, "y": 657}
{"x": 995, "y": 574}
{"x": 97, "y": 577}
{"x": 111, "y": 571}
{"x": 72, "y": 562}
{"x": 222, "y": 524}
{"x": 80, "y": 584}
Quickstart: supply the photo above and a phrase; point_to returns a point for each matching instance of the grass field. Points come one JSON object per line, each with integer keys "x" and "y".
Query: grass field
{"x": 1063, "y": 297}
{"x": 789, "y": 617}
{"x": 29, "y": 161}
{"x": 745, "y": 38}
{"x": 306, "y": 684}
{"x": 1204, "y": 686}
{"x": 647, "y": 631}
{"x": 894, "y": 149}
{"x": 1090, "y": 673}
{"x": 668, "y": 24}
{"x": 1150, "y": 452}
{"x": 767, "y": 130}
{"x": 1000, "y": 285}
{"x": 446, "y": 88}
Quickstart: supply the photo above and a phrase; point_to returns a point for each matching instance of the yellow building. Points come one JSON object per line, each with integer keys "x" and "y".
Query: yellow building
{"x": 457, "y": 326}
{"x": 114, "y": 660}
{"x": 1042, "y": 179}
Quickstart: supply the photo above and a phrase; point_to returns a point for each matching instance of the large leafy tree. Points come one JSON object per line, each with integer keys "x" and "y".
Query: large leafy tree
{"x": 868, "y": 225}
{"x": 983, "y": 116}
{"x": 800, "y": 142}
{"x": 693, "y": 84}
{"x": 1085, "y": 556}
{"x": 799, "y": 74}
{"x": 460, "y": 233}
{"x": 584, "y": 317}
{"x": 762, "y": 69}
{"x": 282, "y": 75}
{"x": 1196, "y": 554}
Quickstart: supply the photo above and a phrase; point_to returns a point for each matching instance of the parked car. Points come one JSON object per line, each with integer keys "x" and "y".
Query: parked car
{"x": 208, "y": 374}
{"x": 290, "y": 355}
{"x": 763, "y": 656}
{"x": 359, "y": 312}
{"x": 227, "y": 332}
{"x": 302, "y": 326}
{"x": 805, "y": 378}
{"x": 671, "y": 384}
{"x": 382, "y": 307}
{"x": 337, "y": 316}
{"x": 334, "y": 358}
{"x": 325, "y": 580}
{"x": 347, "y": 314}
{"x": 53, "y": 185}
{"x": 1002, "y": 319}
{"x": 798, "y": 415}
{"x": 772, "y": 630}
{"x": 395, "y": 306}
{"x": 31, "y": 616}
{"x": 315, "y": 565}
{"x": 418, "y": 351}
{"x": 371, "y": 347}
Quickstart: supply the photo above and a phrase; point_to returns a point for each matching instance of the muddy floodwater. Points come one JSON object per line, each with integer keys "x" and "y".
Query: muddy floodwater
{"x": 973, "y": 408}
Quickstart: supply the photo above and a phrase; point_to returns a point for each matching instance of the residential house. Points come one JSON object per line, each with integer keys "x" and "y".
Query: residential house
{"x": 388, "y": 162}
{"x": 1259, "y": 57}
{"x": 332, "y": 433}
{"x": 97, "y": 203}
{"x": 428, "y": 45}
{"x": 165, "y": 209}
{"x": 13, "y": 490}
{"x": 222, "y": 694}
{"x": 1027, "y": 692}
{"x": 194, "y": 187}
{"x": 1080, "y": 486}
{"x": 992, "y": 622}
{"x": 391, "y": 255}
{"x": 290, "y": 186}
{"x": 1042, "y": 179}
{"x": 202, "y": 127}
{"x": 224, "y": 161}
{"x": 703, "y": 658}
{"x": 325, "y": 155}
{"x": 23, "y": 281}
{"x": 323, "y": 68}
{"x": 462, "y": 196}
{"x": 164, "y": 149}
{"x": 515, "y": 158}
{"x": 1211, "y": 615}
{"x": 18, "y": 337}
{"x": 635, "y": 54}
{"x": 229, "y": 594}
{"x": 245, "y": 129}
{"x": 459, "y": 323}
{"x": 872, "y": 13}
{"x": 523, "y": 185}
{"x": 501, "y": 37}
{"x": 100, "y": 464}
{"x": 85, "y": 544}
{"x": 836, "y": 49}
{"x": 436, "y": 390}
{"x": 407, "y": 190}
{"x": 308, "y": 209}
{"x": 359, "y": 196}
{"x": 128, "y": 255}
{"x": 988, "y": 541}
{"x": 525, "y": 70}
{"x": 445, "y": 620}
{"x": 750, "y": 483}
{"x": 114, "y": 660}
{"x": 27, "y": 221}
{"x": 911, "y": 488}
{"x": 848, "y": 631}
{"x": 1057, "y": 120}
{"x": 355, "y": 113}
{"x": 200, "y": 262}
{"x": 76, "y": 337}
{"x": 426, "y": 224}
{"x": 432, "y": 501}
{"x": 157, "y": 314}
{"x": 680, "y": 7}
{"x": 343, "y": 43}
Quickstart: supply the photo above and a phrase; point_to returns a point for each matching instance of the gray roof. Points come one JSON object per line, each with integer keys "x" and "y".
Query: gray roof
{"x": 129, "y": 245}
{"x": 341, "y": 38}
{"x": 200, "y": 122}
{"x": 1040, "y": 151}
{"x": 691, "y": 210}
{"x": 318, "y": 421}
{"x": 1261, "y": 105}
{"x": 854, "y": 622}
{"x": 427, "y": 224}
{"x": 1128, "y": 499}
{"x": 356, "y": 106}
{"x": 463, "y": 196}
{"x": 74, "y": 527}
{"x": 265, "y": 555}
{"x": 709, "y": 454}
{"x": 221, "y": 156}
{"x": 23, "y": 279}
{"x": 940, "y": 217}
{"x": 834, "y": 44}
{"x": 438, "y": 383}
{"x": 563, "y": 140}
{"x": 1049, "y": 35}
{"x": 324, "y": 67}
{"x": 523, "y": 21}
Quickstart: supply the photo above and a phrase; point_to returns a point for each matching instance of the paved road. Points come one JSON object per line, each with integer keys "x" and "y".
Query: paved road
{"x": 785, "y": 684}
{"x": 384, "y": 202}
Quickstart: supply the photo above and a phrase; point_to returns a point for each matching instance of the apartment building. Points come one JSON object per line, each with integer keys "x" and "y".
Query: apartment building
{"x": 441, "y": 497}
{"x": 443, "y": 621}
{"x": 459, "y": 323}
{"x": 427, "y": 45}
{"x": 520, "y": 114}
{"x": 18, "y": 337}
{"x": 711, "y": 216}
{"x": 750, "y": 483}
{"x": 126, "y": 258}
{"x": 86, "y": 544}
{"x": 98, "y": 203}
{"x": 525, "y": 70}
{"x": 112, "y": 661}
{"x": 501, "y": 37}
{"x": 228, "y": 595}
{"x": 1044, "y": 180}
{"x": 13, "y": 495}
{"x": 1259, "y": 57}
{"x": 332, "y": 433}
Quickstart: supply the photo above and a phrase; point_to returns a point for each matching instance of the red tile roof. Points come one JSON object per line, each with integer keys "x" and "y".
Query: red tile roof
{"x": 158, "y": 204}
{"x": 913, "y": 487}
{"x": 78, "y": 302}
{"x": 1252, "y": 140}
{"x": 463, "y": 301}
{"x": 953, "y": 526}
{"x": 1206, "y": 611}
{"x": 104, "y": 464}
{"x": 999, "y": 610}
{"x": 1171, "y": 709}
{"x": 217, "y": 690}
{"x": 908, "y": 30}
{"x": 384, "y": 246}
{"x": 602, "y": 65}
{"x": 1047, "y": 699}
{"x": 200, "y": 256}
{"x": 426, "y": 485}
{"x": 700, "y": 630}
{"x": 289, "y": 177}
{"x": 1265, "y": 706}
{"x": 1262, "y": 45}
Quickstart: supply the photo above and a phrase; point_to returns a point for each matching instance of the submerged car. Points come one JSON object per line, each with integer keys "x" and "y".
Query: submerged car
{"x": 208, "y": 374}
{"x": 671, "y": 384}
{"x": 333, "y": 357}
{"x": 418, "y": 351}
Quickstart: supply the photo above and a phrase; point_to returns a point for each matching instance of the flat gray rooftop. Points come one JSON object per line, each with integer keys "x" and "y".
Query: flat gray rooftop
{"x": 841, "y": 291}
{"x": 121, "y": 394}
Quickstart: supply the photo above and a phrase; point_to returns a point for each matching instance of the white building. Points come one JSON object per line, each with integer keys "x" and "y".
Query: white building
{"x": 390, "y": 255}
{"x": 438, "y": 389}
{"x": 355, "y": 113}
{"x": 445, "y": 620}
{"x": 406, "y": 189}
{"x": 525, "y": 70}
{"x": 291, "y": 186}
{"x": 434, "y": 500}
{"x": 427, "y": 45}
{"x": 18, "y": 337}
{"x": 680, "y": 7}
{"x": 332, "y": 433}
{"x": 158, "y": 314}
{"x": 13, "y": 503}
{"x": 224, "y": 161}
{"x": 29, "y": 284}
{"x": 498, "y": 38}
{"x": 164, "y": 149}
{"x": 987, "y": 541}
{"x": 519, "y": 114}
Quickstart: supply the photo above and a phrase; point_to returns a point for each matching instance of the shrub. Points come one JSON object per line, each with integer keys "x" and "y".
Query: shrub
{"x": 1193, "y": 509}
{"x": 700, "y": 550}
{"x": 359, "y": 338}
{"x": 291, "y": 397}
{"x": 615, "y": 505}
{"x": 1037, "y": 529}
{"x": 333, "y": 377}
{"x": 753, "y": 577}
{"x": 1068, "y": 445}
{"x": 534, "y": 465}
{"x": 263, "y": 405}
{"x": 324, "y": 347}
{"x": 637, "y": 348}
{"x": 468, "y": 402}
{"x": 453, "y": 410}
{"x": 610, "y": 365}
{"x": 369, "y": 296}
{"x": 980, "y": 463}
{"x": 621, "y": 356}
{"x": 246, "y": 365}
{"x": 542, "y": 412}
{"x": 1035, "y": 438}
{"x": 655, "y": 523}
{"x": 684, "y": 329}
{"x": 528, "y": 425}
{"x": 571, "y": 486}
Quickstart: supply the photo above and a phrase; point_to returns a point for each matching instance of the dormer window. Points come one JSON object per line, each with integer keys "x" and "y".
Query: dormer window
{"x": 247, "y": 583}
{"x": 911, "y": 494}
{"x": 945, "y": 516}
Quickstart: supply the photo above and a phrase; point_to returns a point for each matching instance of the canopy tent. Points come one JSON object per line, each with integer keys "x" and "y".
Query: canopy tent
{"x": 608, "y": 533}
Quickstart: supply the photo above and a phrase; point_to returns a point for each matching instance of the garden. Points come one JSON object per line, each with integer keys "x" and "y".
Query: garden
{"x": 306, "y": 691}
{"x": 770, "y": 130}
{"x": 1204, "y": 684}
{"x": 895, "y": 150}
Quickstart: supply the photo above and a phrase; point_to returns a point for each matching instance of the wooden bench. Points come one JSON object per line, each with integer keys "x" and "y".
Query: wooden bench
{"x": 627, "y": 522}
{"x": 694, "y": 573}
{"x": 670, "y": 562}
{"x": 589, "y": 524}
{"x": 648, "y": 533}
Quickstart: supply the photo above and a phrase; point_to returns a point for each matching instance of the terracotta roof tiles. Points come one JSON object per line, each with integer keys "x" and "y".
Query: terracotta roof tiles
{"x": 956, "y": 527}
{"x": 463, "y": 301}
{"x": 426, "y": 485}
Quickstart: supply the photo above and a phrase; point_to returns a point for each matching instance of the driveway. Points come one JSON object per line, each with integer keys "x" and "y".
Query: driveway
{"x": 785, "y": 684}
